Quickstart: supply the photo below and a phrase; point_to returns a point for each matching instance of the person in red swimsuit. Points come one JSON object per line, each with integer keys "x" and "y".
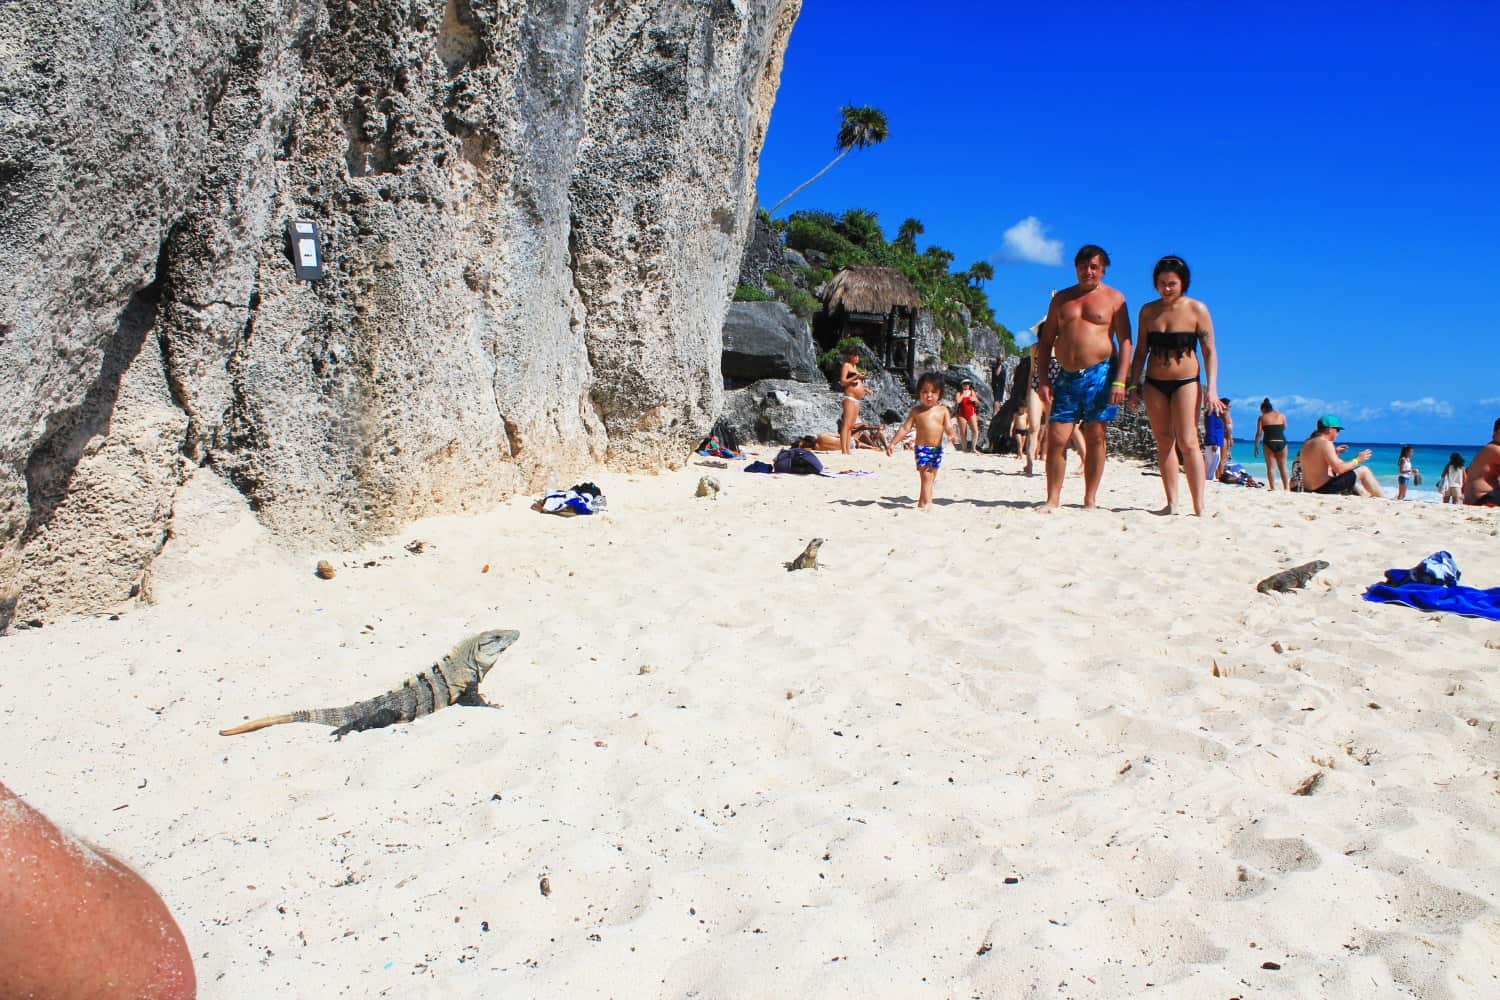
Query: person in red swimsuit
{"x": 967, "y": 402}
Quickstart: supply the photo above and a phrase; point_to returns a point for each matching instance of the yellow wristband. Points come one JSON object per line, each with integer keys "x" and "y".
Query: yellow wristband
{"x": 1118, "y": 385}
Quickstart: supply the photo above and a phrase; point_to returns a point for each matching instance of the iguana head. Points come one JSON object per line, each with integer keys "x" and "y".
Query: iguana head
{"x": 489, "y": 645}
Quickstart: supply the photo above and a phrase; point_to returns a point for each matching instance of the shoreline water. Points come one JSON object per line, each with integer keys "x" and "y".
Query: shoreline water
{"x": 1428, "y": 458}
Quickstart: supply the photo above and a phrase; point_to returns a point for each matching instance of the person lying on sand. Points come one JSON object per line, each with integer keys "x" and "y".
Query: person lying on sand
{"x": 870, "y": 436}
{"x": 1483, "y": 485}
{"x": 74, "y": 922}
{"x": 1324, "y": 472}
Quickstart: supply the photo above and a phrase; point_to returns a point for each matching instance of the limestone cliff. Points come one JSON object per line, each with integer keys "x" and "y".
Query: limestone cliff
{"x": 531, "y": 213}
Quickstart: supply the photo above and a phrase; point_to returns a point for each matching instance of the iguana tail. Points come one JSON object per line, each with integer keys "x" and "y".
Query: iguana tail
{"x": 322, "y": 716}
{"x": 250, "y": 727}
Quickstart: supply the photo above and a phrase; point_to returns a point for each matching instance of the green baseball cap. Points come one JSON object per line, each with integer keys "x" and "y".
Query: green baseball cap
{"x": 1328, "y": 420}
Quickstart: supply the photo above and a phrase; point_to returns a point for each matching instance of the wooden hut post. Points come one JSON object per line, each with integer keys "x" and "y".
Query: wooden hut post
{"x": 911, "y": 355}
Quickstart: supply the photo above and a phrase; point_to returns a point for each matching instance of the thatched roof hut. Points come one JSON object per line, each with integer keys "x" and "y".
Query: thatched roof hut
{"x": 877, "y": 305}
{"x": 869, "y": 290}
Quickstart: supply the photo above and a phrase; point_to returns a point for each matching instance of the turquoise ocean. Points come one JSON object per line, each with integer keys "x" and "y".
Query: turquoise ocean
{"x": 1428, "y": 458}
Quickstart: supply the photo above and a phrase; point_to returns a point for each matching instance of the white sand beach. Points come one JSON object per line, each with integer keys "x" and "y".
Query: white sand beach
{"x": 980, "y": 752}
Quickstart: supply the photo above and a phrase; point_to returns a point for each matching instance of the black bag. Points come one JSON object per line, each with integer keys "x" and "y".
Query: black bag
{"x": 726, "y": 435}
{"x": 798, "y": 461}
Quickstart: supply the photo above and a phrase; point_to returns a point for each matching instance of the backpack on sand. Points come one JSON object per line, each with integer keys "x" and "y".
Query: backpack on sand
{"x": 799, "y": 461}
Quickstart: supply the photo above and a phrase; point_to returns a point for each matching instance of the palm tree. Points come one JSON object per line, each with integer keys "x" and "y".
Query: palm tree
{"x": 862, "y": 227}
{"x": 981, "y": 271}
{"x": 862, "y": 127}
{"x": 907, "y": 235}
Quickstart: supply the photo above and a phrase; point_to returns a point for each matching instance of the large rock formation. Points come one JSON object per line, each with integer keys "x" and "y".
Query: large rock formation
{"x": 767, "y": 340}
{"x": 531, "y": 211}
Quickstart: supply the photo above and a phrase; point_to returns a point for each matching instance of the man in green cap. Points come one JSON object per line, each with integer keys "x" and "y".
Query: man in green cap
{"x": 1324, "y": 472}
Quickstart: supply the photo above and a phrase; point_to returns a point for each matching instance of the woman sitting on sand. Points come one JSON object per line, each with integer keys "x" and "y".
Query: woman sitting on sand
{"x": 1174, "y": 328}
{"x": 1271, "y": 426}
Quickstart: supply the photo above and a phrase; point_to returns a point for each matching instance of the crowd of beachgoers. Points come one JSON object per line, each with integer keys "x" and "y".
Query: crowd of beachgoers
{"x": 1084, "y": 367}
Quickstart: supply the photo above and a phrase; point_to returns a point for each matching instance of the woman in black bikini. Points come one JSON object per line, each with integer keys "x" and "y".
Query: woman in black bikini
{"x": 1271, "y": 428}
{"x": 1174, "y": 327}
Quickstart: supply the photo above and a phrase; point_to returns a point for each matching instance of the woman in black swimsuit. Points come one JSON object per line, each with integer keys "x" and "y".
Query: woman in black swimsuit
{"x": 1271, "y": 427}
{"x": 1165, "y": 375}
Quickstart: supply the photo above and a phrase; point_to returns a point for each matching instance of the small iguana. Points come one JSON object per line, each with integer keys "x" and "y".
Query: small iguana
{"x": 1290, "y": 579}
{"x": 453, "y": 680}
{"x": 809, "y": 557}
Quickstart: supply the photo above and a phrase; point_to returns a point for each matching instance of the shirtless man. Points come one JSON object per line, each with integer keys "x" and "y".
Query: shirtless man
{"x": 1088, "y": 330}
{"x": 1483, "y": 486}
{"x": 1324, "y": 472}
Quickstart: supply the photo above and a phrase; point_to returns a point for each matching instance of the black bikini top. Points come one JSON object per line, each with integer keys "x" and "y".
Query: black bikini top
{"x": 1171, "y": 346}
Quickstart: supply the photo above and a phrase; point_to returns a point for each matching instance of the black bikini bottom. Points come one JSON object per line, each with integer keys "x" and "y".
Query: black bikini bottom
{"x": 1168, "y": 386}
{"x": 1275, "y": 447}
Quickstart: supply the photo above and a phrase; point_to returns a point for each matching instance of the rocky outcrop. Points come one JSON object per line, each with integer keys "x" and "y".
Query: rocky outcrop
{"x": 532, "y": 216}
{"x": 1129, "y": 436}
{"x": 779, "y": 411}
{"x": 763, "y": 255}
{"x": 766, "y": 340}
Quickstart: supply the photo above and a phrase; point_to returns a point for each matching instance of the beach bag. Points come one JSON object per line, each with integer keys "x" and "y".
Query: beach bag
{"x": 726, "y": 434}
{"x": 1297, "y": 476}
{"x": 798, "y": 461}
{"x": 1416, "y": 477}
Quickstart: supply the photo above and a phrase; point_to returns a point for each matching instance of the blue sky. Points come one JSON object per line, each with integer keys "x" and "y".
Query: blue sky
{"x": 1329, "y": 171}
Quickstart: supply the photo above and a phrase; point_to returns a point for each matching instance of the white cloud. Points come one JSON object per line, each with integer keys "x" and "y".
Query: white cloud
{"x": 1492, "y": 401}
{"x": 1311, "y": 407}
{"x": 1425, "y": 405}
{"x": 1027, "y": 241}
{"x": 1307, "y": 406}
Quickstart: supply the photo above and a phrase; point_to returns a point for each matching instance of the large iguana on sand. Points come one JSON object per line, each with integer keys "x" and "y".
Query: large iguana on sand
{"x": 452, "y": 680}
{"x": 1289, "y": 580}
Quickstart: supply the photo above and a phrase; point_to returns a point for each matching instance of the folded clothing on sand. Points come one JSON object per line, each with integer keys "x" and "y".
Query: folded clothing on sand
{"x": 768, "y": 469}
{"x": 583, "y": 498}
{"x": 1236, "y": 474}
{"x": 1432, "y": 585}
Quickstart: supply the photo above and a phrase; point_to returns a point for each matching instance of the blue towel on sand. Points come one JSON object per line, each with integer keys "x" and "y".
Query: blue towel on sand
{"x": 1415, "y": 589}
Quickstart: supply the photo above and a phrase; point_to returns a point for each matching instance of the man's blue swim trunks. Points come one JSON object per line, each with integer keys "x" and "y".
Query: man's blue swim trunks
{"x": 929, "y": 456}
{"x": 1082, "y": 397}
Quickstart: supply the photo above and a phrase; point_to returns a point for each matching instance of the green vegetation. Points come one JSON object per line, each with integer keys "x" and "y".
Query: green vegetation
{"x": 796, "y": 299}
{"x": 829, "y": 359}
{"x": 956, "y": 300}
{"x": 749, "y": 293}
{"x": 860, "y": 128}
